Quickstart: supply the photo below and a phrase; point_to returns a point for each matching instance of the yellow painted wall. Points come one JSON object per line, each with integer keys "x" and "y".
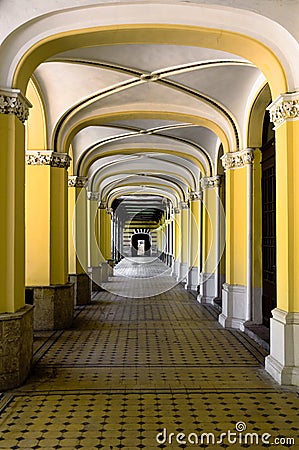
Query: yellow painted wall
{"x": 35, "y": 126}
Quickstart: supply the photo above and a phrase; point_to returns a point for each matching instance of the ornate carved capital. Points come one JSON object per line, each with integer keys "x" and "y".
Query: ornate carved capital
{"x": 109, "y": 210}
{"x": 12, "y": 101}
{"x": 177, "y": 210}
{"x": 61, "y": 160}
{"x": 284, "y": 108}
{"x": 78, "y": 182}
{"x": 94, "y": 196}
{"x": 210, "y": 182}
{"x": 38, "y": 158}
{"x": 195, "y": 195}
{"x": 235, "y": 160}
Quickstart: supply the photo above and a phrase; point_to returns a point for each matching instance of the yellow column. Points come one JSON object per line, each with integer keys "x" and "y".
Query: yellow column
{"x": 46, "y": 218}
{"x": 195, "y": 206}
{"x": 108, "y": 234}
{"x": 237, "y": 292}
{"x": 93, "y": 246}
{"x": 38, "y": 224}
{"x": 184, "y": 231}
{"x": 211, "y": 240}
{"x": 176, "y": 242}
{"x": 12, "y": 182}
{"x": 104, "y": 233}
{"x": 283, "y": 361}
{"x": 77, "y": 225}
{"x": 257, "y": 273}
{"x": 77, "y": 236}
{"x": 16, "y": 335}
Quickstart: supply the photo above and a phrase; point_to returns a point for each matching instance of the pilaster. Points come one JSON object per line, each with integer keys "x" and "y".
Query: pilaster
{"x": 237, "y": 292}
{"x": 283, "y": 361}
{"x": 78, "y": 252}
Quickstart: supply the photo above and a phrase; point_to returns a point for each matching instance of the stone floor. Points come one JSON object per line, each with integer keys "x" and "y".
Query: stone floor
{"x": 138, "y": 372}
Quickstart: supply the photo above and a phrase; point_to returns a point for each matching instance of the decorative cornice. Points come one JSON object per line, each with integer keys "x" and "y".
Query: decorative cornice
{"x": 77, "y": 182}
{"x": 284, "y": 108}
{"x": 235, "y": 160}
{"x": 38, "y": 158}
{"x": 93, "y": 196}
{"x": 12, "y": 101}
{"x": 195, "y": 195}
{"x": 60, "y": 160}
{"x": 210, "y": 182}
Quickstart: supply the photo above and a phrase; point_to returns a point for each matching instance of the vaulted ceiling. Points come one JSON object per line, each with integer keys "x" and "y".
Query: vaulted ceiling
{"x": 144, "y": 119}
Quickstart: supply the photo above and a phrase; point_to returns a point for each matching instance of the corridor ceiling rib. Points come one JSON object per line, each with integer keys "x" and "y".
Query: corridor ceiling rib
{"x": 159, "y": 77}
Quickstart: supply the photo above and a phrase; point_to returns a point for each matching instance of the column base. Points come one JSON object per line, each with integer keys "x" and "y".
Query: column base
{"x": 192, "y": 278}
{"x": 53, "y": 306}
{"x": 82, "y": 288}
{"x": 283, "y": 362}
{"x": 100, "y": 274}
{"x": 183, "y": 273}
{"x": 16, "y": 331}
{"x": 206, "y": 288}
{"x": 175, "y": 268}
{"x": 233, "y": 306}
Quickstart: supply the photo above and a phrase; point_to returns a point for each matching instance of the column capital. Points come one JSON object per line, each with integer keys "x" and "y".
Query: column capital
{"x": 177, "y": 210}
{"x": 93, "y": 196}
{"x": 12, "y": 101}
{"x": 210, "y": 182}
{"x": 195, "y": 195}
{"x": 109, "y": 211}
{"x": 284, "y": 108}
{"x": 184, "y": 205}
{"x": 77, "y": 181}
{"x": 60, "y": 160}
{"x": 48, "y": 158}
{"x": 235, "y": 160}
{"x": 102, "y": 205}
{"x": 38, "y": 157}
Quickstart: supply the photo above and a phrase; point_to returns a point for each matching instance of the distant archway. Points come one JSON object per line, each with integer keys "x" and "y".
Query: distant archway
{"x": 139, "y": 249}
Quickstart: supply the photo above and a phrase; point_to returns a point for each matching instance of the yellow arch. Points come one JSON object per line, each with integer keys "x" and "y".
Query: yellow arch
{"x": 236, "y": 43}
{"x": 166, "y": 115}
{"x": 131, "y": 151}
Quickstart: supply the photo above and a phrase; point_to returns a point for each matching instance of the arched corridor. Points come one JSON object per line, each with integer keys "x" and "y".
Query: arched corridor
{"x": 130, "y": 368}
{"x": 149, "y": 191}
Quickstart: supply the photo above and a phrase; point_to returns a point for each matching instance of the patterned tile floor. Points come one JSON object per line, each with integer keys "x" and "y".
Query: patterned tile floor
{"x": 136, "y": 373}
